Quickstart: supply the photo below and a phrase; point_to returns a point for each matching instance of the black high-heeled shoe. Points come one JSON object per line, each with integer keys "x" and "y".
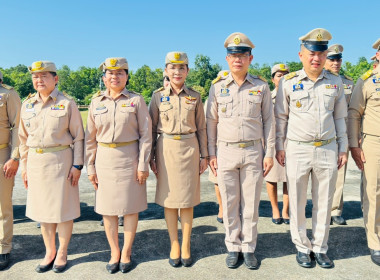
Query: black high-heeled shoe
{"x": 113, "y": 267}
{"x": 60, "y": 268}
{"x": 125, "y": 267}
{"x": 44, "y": 268}
{"x": 186, "y": 262}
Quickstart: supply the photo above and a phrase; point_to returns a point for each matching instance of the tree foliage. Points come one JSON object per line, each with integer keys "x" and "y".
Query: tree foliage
{"x": 84, "y": 82}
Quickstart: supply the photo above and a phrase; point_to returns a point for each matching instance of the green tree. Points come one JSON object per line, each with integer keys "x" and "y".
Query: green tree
{"x": 355, "y": 71}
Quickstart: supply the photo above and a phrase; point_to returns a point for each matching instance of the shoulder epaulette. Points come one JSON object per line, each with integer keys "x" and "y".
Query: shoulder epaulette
{"x": 348, "y": 77}
{"x": 216, "y": 80}
{"x": 290, "y": 75}
{"x": 335, "y": 74}
{"x": 7, "y": 87}
{"x": 133, "y": 92}
{"x": 68, "y": 96}
{"x": 261, "y": 78}
{"x": 223, "y": 74}
{"x": 29, "y": 96}
{"x": 366, "y": 75}
{"x": 96, "y": 94}
{"x": 159, "y": 89}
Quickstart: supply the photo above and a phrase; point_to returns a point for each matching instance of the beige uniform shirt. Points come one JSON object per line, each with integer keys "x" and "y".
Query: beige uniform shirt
{"x": 364, "y": 106}
{"x": 124, "y": 119}
{"x": 240, "y": 114}
{"x": 57, "y": 122}
{"x": 311, "y": 111}
{"x": 10, "y": 105}
{"x": 178, "y": 114}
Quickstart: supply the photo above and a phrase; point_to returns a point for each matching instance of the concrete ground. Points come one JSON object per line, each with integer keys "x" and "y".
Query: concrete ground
{"x": 89, "y": 251}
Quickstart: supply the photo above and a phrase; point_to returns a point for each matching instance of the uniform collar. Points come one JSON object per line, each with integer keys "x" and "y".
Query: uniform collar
{"x": 302, "y": 74}
{"x": 169, "y": 90}
{"x": 53, "y": 95}
{"x": 106, "y": 93}
{"x": 230, "y": 79}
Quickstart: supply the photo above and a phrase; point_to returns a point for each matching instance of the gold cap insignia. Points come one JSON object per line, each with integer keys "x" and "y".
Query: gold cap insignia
{"x": 37, "y": 66}
{"x": 282, "y": 67}
{"x": 319, "y": 37}
{"x": 113, "y": 62}
{"x": 177, "y": 56}
{"x": 237, "y": 40}
{"x": 336, "y": 49}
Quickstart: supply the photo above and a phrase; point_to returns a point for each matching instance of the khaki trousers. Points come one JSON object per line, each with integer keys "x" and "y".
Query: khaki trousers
{"x": 319, "y": 163}
{"x": 240, "y": 179}
{"x": 6, "y": 208}
{"x": 371, "y": 190}
{"x": 337, "y": 204}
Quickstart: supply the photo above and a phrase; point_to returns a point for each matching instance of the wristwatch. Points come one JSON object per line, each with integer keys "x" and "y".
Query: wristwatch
{"x": 16, "y": 159}
{"x": 79, "y": 167}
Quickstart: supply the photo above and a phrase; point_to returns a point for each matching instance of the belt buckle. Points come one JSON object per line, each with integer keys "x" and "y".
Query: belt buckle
{"x": 318, "y": 144}
{"x": 113, "y": 145}
{"x": 177, "y": 137}
{"x": 242, "y": 145}
{"x": 39, "y": 151}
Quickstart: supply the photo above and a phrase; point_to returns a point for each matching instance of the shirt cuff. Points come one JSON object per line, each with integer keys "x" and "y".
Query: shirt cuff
{"x": 91, "y": 169}
{"x": 143, "y": 166}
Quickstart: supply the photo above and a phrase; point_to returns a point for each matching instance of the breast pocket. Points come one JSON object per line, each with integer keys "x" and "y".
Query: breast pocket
{"x": 30, "y": 121}
{"x": 224, "y": 106}
{"x": 3, "y": 111}
{"x": 100, "y": 116}
{"x": 329, "y": 100}
{"x": 57, "y": 119}
{"x": 166, "y": 112}
{"x": 374, "y": 101}
{"x": 126, "y": 113}
{"x": 299, "y": 101}
{"x": 254, "y": 105}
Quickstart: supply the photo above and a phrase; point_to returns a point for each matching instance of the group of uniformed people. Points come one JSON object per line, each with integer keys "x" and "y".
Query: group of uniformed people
{"x": 305, "y": 130}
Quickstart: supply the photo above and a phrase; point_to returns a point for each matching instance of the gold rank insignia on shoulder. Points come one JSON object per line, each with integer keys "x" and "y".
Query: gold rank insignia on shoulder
{"x": 225, "y": 73}
{"x": 7, "y": 87}
{"x": 96, "y": 94}
{"x": 331, "y": 86}
{"x": 366, "y": 75}
{"x": 290, "y": 75}
{"x": 261, "y": 78}
{"x": 216, "y": 79}
{"x": 298, "y": 104}
{"x": 159, "y": 89}
{"x": 255, "y": 92}
{"x": 58, "y": 107}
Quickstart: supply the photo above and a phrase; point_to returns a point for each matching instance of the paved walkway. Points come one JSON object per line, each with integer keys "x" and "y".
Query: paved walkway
{"x": 89, "y": 251}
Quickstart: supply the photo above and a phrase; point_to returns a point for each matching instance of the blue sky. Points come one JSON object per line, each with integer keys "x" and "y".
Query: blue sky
{"x": 85, "y": 32}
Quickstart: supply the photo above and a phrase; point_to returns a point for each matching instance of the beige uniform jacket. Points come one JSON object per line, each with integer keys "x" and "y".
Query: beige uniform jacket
{"x": 124, "y": 119}
{"x": 10, "y": 105}
{"x": 364, "y": 105}
{"x": 178, "y": 114}
{"x": 240, "y": 114}
{"x": 310, "y": 111}
{"x": 57, "y": 122}
{"x": 348, "y": 86}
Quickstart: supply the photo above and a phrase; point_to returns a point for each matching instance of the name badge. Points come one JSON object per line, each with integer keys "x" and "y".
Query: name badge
{"x": 29, "y": 107}
{"x": 297, "y": 87}
{"x": 376, "y": 80}
{"x": 165, "y": 98}
{"x": 101, "y": 107}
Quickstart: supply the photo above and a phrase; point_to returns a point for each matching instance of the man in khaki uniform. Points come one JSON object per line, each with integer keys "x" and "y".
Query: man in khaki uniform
{"x": 334, "y": 64}
{"x": 239, "y": 114}
{"x": 375, "y": 62}
{"x": 363, "y": 122}
{"x": 310, "y": 113}
{"x": 9, "y": 160}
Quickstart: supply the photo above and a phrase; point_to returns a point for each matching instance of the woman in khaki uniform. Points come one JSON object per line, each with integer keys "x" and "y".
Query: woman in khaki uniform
{"x": 177, "y": 115}
{"x": 51, "y": 148}
{"x": 277, "y": 173}
{"x": 118, "y": 145}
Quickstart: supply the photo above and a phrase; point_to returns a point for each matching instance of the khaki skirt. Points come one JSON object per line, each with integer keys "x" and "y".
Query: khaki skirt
{"x": 178, "y": 179}
{"x": 119, "y": 193}
{"x": 51, "y": 197}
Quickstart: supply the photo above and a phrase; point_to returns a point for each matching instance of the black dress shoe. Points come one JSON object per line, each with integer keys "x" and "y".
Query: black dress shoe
{"x": 121, "y": 221}
{"x": 112, "y": 268}
{"x": 375, "y": 256}
{"x": 232, "y": 259}
{"x": 339, "y": 220}
{"x": 220, "y": 220}
{"x": 101, "y": 222}
{"x": 277, "y": 221}
{"x": 44, "y": 268}
{"x": 174, "y": 262}
{"x": 186, "y": 262}
{"x": 323, "y": 260}
{"x": 250, "y": 261}
{"x": 59, "y": 268}
{"x": 125, "y": 267}
{"x": 303, "y": 259}
{"x": 286, "y": 221}
{"x": 4, "y": 261}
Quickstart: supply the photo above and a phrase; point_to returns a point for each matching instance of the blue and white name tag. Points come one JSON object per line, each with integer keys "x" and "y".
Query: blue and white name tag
{"x": 297, "y": 87}
{"x": 165, "y": 98}
{"x": 29, "y": 107}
